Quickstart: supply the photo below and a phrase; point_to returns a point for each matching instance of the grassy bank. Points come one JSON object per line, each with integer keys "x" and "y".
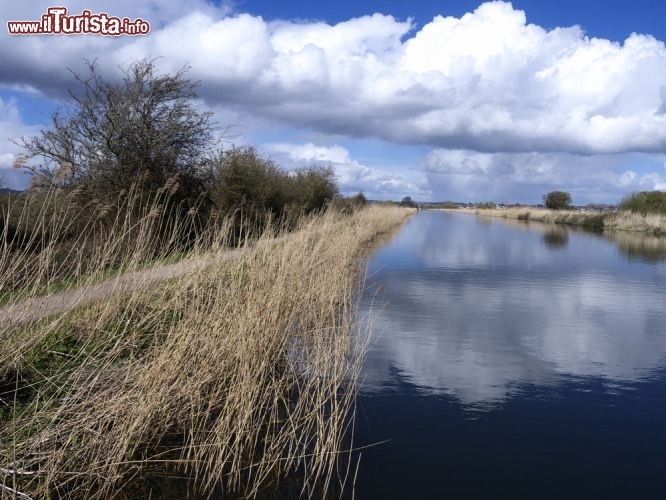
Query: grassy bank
{"x": 237, "y": 375}
{"x": 612, "y": 221}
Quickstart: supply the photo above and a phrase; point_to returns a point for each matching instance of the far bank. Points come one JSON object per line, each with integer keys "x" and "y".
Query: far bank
{"x": 607, "y": 221}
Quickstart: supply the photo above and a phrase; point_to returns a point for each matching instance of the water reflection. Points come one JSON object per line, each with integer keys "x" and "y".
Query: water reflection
{"x": 640, "y": 247}
{"x": 480, "y": 311}
{"x": 634, "y": 245}
{"x": 556, "y": 237}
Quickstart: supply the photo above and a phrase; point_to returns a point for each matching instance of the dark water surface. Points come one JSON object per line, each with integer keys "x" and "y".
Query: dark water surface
{"x": 513, "y": 360}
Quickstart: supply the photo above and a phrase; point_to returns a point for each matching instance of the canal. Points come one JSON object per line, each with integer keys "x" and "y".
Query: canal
{"x": 513, "y": 360}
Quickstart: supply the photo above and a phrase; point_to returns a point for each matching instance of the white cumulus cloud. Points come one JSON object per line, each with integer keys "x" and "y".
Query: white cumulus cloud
{"x": 524, "y": 177}
{"x": 488, "y": 81}
{"x": 352, "y": 176}
{"x": 509, "y": 108}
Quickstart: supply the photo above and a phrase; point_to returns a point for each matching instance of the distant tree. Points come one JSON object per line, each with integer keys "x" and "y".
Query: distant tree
{"x": 486, "y": 205}
{"x": 557, "y": 200}
{"x": 140, "y": 131}
{"x": 407, "y": 202}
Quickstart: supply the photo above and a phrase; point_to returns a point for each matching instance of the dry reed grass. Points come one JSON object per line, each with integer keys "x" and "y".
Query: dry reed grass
{"x": 237, "y": 376}
{"x": 51, "y": 240}
{"x": 615, "y": 221}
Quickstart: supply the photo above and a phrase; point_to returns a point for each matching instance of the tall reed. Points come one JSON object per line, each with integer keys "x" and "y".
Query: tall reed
{"x": 237, "y": 376}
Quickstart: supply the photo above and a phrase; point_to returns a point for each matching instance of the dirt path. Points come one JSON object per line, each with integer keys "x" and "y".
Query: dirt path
{"x": 37, "y": 308}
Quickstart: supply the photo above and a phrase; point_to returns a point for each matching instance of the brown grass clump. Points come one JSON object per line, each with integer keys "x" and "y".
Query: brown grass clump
{"x": 235, "y": 377}
{"x": 630, "y": 221}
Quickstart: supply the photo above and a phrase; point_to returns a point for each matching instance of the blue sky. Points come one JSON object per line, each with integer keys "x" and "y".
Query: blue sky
{"x": 612, "y": 19}
{"x": 438, "y": 100}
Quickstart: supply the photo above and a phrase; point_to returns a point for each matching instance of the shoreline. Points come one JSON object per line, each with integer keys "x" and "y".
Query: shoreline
{"x": 598, "y": 221}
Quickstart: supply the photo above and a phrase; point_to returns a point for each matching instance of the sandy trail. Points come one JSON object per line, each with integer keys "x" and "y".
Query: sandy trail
{"x": 38, "y": 308}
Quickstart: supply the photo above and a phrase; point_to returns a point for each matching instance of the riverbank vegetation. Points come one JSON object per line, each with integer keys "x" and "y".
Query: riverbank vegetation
{"x": 623, "y": 220}
{"x": 645, "y": 202}
{"x": 124, "y": 150}
{"x": 238, "y": 375}
{"x": 643, "y": 212}
{"x": 234, "y": 375}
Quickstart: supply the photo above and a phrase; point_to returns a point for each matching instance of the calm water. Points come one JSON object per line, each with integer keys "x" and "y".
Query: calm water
{"x": 514, "y": 360}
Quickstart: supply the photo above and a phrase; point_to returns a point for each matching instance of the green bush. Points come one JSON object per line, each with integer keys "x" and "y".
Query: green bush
{"x": 315, "y": 187}
{"x": 351, "y": 204}
{"x": 645, "y": 202}
{"x": 359, "y": 199}
{"x": 240, "y": 180}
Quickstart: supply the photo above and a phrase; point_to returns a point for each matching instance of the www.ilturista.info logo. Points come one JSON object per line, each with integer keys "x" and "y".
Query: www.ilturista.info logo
{"x": 57, "y": 22}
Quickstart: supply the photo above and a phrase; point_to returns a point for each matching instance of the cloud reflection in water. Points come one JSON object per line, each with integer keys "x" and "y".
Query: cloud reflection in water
{"x": 477, "y": 310}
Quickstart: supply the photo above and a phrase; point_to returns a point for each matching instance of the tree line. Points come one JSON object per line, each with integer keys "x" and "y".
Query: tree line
{"x": 144, "y": 137}
{"x": 643, "y": 202}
